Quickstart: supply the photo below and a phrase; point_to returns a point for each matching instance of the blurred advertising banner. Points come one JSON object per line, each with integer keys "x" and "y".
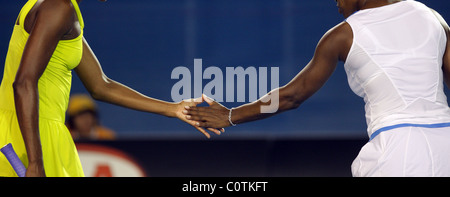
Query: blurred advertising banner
{"x": 105, "y": 161}
{"x": 219, "y": 158}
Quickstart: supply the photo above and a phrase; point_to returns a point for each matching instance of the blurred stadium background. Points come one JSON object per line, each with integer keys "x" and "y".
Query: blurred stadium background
{"x": 139, "y": 43}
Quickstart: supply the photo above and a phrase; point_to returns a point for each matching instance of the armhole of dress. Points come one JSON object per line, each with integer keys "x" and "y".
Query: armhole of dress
{"x": 26, "y": 9}
{"x": 353, "y": 39}
{"x": 18, "y": 22}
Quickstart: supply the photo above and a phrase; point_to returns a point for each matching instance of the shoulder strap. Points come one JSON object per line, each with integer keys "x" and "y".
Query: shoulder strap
{"x": 24, "y": 12}
{"x": 30, "y": 4}
{"x": 77, "y": 9}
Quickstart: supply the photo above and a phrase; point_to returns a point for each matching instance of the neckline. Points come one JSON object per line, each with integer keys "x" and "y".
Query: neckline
{"x": 380, "y": 7}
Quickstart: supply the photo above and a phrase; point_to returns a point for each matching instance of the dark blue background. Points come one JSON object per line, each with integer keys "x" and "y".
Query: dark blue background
{"x": 139, "y": 43}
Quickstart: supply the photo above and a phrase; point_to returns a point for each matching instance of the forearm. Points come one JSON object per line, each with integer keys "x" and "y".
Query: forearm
{"x": 333, "y": 46}
{"x": 249, "y": 112}
{"x": 26, "y": 103}
{"x": 118, "y": 94}
{"x": 278, "y": 101}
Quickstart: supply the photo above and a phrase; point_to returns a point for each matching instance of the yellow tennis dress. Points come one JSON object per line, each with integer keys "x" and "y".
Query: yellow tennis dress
{"x": 59, "y": 152}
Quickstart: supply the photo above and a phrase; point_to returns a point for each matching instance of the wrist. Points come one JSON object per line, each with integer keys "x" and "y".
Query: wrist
{"x": 230, "y": 117}
{"x": 35, "y": 169}
{"x": 34, "y": 153}
{"x": 36, "y": 162}
{"x": 171, "y": 110}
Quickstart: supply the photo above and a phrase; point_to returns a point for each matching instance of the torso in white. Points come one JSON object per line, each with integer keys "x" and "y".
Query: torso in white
{"x": 395, "y": 64}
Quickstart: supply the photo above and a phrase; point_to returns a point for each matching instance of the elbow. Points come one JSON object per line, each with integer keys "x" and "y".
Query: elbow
{"x": 290, "y": 101}
{"x": 293, "y": 102}
{"x": 99, "y": 91}
{"x": 23, "y": 86}
{"x": 97, "y": 94}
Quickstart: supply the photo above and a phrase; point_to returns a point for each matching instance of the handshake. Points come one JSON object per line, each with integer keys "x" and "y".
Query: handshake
{"x": 214, "y": 117}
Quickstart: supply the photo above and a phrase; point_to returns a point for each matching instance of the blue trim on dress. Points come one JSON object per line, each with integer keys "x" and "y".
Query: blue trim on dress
{"x": 438, "y": 125}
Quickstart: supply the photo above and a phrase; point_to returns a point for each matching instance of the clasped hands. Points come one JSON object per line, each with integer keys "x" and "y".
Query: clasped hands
{"x": 213, "y": 117}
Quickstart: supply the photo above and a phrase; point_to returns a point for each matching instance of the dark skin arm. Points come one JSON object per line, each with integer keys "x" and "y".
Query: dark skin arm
{"x": 48, "y": 25}
{"x": 333, "y": 47}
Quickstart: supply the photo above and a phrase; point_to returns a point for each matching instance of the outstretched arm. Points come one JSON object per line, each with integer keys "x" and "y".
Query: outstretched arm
{"x": 105, "y": 89}
{"x": 333, "y": 46}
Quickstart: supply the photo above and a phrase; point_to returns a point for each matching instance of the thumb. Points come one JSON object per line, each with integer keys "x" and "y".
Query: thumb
{"x": 210, "y": 101}
{"x": 198, "y": 100}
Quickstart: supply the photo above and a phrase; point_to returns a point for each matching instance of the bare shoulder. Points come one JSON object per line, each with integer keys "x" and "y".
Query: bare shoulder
{"x": 338, "y": 39}
{"x": 49, "y": 10}
{"x": 60, "y": 7}
{"x": 51, "y": 14}
{"x": 342, "y": 32}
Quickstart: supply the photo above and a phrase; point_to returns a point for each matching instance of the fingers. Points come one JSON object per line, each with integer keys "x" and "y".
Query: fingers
{"x": 198, "y": 100}
{"x": 207, "y": 99}
{"x": 204, "y": 124}
{"x": 203, "y": 131}
{"x": 194, "y": 117}
{"x": 216, "y": 131}
{"x": 196, "y": 113}
{"x": 193, "y": 101}
{"x": 193, "y": 110}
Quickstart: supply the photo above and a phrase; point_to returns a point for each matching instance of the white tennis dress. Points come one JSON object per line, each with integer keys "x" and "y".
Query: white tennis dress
{"x": 395, "y": 64}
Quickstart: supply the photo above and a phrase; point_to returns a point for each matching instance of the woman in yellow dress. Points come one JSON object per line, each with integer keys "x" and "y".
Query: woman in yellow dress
{"x": 46, "y": 44}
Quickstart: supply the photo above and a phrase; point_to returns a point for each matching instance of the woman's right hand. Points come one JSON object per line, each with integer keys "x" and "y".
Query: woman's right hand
{"x": 181, "y": 109}
{"x": 215, "y": 115}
